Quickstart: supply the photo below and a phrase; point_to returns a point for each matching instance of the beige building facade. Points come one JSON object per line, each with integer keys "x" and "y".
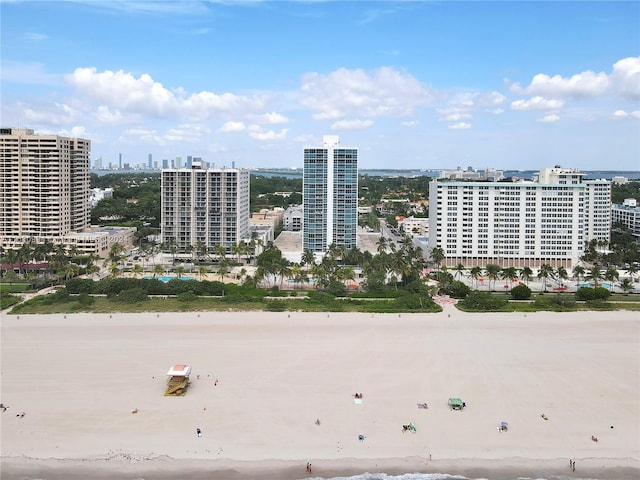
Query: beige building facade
{"x": 44, "y": 187}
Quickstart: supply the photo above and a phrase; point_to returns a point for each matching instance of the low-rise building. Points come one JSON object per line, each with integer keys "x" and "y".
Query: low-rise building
{"x": 293, "y": 218}
{"x": 628, "y": 214}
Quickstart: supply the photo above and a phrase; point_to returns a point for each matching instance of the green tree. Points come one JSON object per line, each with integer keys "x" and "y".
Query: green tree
{"x": 544, "y": 273}
{"x": 526, "y": 274}
{"x": 578, "y": 272}
{"x": 493, "y": 273}
{"x": 626, "y": 285}
{"x": 437, "y": 255}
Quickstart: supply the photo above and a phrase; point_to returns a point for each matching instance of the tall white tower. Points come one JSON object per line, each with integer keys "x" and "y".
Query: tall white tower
{"x": 330, "y": 196}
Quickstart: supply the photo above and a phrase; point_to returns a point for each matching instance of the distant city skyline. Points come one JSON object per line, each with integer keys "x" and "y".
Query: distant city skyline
{"x": 411, "y": 84}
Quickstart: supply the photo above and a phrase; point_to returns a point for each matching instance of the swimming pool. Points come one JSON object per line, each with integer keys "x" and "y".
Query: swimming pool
{"x": 591, "y": 285}
{"x": 168, "y": 278}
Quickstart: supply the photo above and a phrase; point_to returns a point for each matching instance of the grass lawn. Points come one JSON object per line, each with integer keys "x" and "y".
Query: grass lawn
{"x": 14, "y": 287}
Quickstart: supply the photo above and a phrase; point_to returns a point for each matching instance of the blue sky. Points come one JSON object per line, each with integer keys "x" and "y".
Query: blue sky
{"x": 412, "y": 84}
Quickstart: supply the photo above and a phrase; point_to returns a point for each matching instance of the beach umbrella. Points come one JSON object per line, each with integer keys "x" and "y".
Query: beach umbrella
{"x": 504, "y": 425}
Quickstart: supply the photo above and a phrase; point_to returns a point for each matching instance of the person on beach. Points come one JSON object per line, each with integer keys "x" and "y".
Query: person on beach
{"x": 308, "y": 467}
{"x": 198, "y": 432}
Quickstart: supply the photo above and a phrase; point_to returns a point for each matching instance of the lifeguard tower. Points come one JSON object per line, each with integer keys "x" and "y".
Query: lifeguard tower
{"x": 177, "y": 381}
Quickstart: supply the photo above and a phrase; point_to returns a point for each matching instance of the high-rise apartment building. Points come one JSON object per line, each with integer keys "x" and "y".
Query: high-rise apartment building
{"x": 330, "y": 196}
{"x": 44, "y": 186}
{"x": 205, "y": 205}
{"x": 519, "y": 224}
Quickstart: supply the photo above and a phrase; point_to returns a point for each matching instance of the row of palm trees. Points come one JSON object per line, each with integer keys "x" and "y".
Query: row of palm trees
{"x": 546, "y": 273}
{"x": 62, "y": 261}
{"x": 392, "y": 264}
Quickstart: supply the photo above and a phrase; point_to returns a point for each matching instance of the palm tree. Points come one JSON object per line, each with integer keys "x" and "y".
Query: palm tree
{"x": 114, "y": 270}
{"x": 578, "y": 272}
{"x": 308, "y": 258}
{"x": 562, "y": 275}
{"x": 116, "y": 253}
{"x": 493, "y": 272}
{"x": 202, "y": 272}
{"x": 136, "y": 270}
{"x": 545, "y": 272}
{"x": 437, "y": 255}
{"x": 345, "y": 274}
{"x": 179, "y": 271}
{"x": 221, "y": 251}
{"x": 626, "y": 285}
{"x": 382, "y": 244}
{"x": 70, "y": 270}
{"x": 459, "y": 270}
{"x": 223, "y": 269}
{"x": 236, "y": 249}
{"x": 595, "y": 274}
{"x": 283, "y": 269}
{"x": 632, "y": 271}
{"x": 510, "y": 274}
{"x": 241, "y": 275}
{"x": 475, "y": 273}
{"x": 158, "y": 270}
{"x": 611, "y": 275}
{"x": 526, "y": 274}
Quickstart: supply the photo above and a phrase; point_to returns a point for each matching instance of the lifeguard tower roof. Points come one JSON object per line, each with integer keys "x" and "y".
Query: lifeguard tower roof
{"x": 179, "y": 371}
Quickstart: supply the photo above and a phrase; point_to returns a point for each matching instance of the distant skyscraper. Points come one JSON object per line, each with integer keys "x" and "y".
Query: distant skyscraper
{"x": 119, "y": 161}
{"x": 44, "y": 180}
{"x": 165, "y": 163}
{"x": 330, "y": 196}
{"x": 189, "y": 161}
{"x": 150, "y": 162}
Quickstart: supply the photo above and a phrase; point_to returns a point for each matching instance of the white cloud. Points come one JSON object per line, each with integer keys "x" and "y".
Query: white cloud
{"x": 274, "y": 118}
{"x": 256, "y": 132}
{"x": 551, "y": 118}
{"x": 585, "y": 84}
{"x": 626, "y": 77}
{"x": 382, "y": 92}
{"x": 108, "y": 116}
{"x": 622, "y": 114}
{"x": 460, "y": 126}
{"x": 495, "y": 111}
{"x": 74, "y": 132}
{"x": 624, "y": 80}
{"x": 455, "y": 117}
{"x": 536, "y": 103}
{"x": 125, "y": 92}
{"x": 55, "y": 114}
{"x": 490, "y": 99}
{"x": 351, "y": 124}
{"x": 409, "y": 123}
{"x": 232, "y": 127}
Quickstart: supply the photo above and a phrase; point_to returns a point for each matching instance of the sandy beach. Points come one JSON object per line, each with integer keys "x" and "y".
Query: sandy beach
{"x": 77, "y": 379}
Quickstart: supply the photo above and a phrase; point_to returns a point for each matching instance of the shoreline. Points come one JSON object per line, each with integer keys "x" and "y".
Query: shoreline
{"x": 78, "y": 377}
{"x": 165, "y": 468}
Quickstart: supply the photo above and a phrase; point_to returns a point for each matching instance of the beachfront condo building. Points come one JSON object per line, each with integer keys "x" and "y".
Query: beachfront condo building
{"x": 546, "y": 220}
{"x": 330, "y": 196}
{"x": 44, "y": 187}
{"x": 207, "y": 206}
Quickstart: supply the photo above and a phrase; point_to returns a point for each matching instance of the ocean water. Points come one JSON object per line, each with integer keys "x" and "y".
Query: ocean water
{"x": 445, "y": 476}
